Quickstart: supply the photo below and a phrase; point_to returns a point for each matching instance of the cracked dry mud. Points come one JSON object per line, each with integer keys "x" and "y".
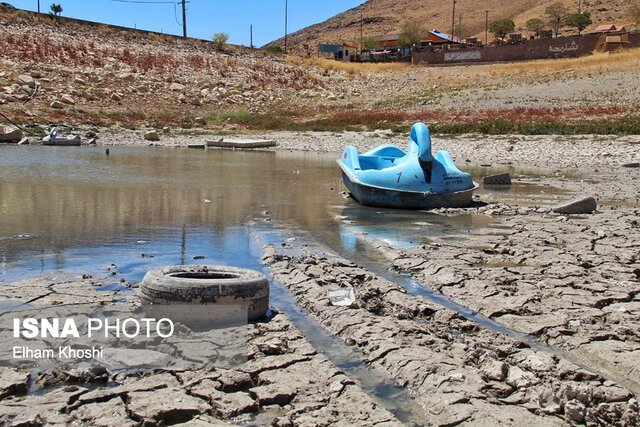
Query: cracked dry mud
{"x": 457, "y": 370}
{"x": 285, "y": 381}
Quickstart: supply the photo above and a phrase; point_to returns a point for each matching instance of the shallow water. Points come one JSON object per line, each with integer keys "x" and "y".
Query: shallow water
{"x": 75, "y": 210}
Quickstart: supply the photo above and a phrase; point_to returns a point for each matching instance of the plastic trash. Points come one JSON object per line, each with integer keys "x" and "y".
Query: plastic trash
{"x": 342, "y": 297}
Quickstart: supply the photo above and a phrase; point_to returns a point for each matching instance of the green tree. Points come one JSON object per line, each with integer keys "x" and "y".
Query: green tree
{"x": 369, "y": 43}
{"x": 579, "y": 20}
{"x": 536, "y": 26}
{"x": 461, "y": 31}
{"x": 220, "y": 40}
{"x": 56, "y": 9}
{"x": 412, "y": 33}
{"x": 557, "y": 13}
{"x": 501, "y": 28}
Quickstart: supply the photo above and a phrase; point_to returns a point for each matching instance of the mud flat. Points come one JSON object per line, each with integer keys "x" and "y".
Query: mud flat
{"x": 285, "y": 381}
{"x": 457, "y": 370}
{"x": 571, "y": 281}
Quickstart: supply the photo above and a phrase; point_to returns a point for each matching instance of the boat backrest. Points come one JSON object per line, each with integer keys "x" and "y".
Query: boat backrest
{"x": 420, "y": 142}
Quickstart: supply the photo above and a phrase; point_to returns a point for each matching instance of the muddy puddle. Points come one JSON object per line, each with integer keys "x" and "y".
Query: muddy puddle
{"x": 75, "y": 210}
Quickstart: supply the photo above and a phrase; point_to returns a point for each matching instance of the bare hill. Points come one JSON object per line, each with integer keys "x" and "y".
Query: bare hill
{"x": 386, "y": 16}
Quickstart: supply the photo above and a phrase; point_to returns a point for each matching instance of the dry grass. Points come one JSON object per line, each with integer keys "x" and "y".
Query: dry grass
{"x": 348, "y": 67}
{"x": 626, "y": 57}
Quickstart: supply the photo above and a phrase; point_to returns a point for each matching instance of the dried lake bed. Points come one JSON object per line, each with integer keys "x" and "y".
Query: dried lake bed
{"x": 501, "y": 312}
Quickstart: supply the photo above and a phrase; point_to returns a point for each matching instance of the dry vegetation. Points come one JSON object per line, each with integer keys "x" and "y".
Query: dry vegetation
{"x": 629, "y": 59}
{"x": 347, "y": 67}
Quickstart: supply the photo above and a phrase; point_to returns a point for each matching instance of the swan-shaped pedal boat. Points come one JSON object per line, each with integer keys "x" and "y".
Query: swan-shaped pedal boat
{"x": 388, "y": 177}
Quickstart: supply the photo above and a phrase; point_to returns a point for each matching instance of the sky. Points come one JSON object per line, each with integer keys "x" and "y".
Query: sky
{"x": 204, "y": 17}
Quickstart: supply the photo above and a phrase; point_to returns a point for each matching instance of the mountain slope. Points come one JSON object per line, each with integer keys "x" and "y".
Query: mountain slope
{"x": 387, "y": 16}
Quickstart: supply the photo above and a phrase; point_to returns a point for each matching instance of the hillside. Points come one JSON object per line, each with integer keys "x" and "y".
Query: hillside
{"x": 386, "y": 16}
{"x": 83, "y": 74}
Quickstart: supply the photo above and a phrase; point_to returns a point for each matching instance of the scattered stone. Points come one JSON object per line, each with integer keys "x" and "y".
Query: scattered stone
{"x": 152, "y": 136}
{"x": 574, "y": 411}
{"x": 25, "y": 79}
{"x": 10, "y": 134}
{"x": 577, "y": 206}
{"x": 67, "y": 99}
{"x": 177, "y": 87}
{"x": 115, "y": 97}
{"x": 494, "y": 370}
{"x": 57, "y": 104}
{"x": 272, "y": 346}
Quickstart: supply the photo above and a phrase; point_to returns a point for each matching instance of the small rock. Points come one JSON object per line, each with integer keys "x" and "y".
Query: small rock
{"x": 57, "y": 104}
{"x": 152, "y": 136}
{"x": 577, "y": 206}
{"x": 177, "y": 87}
{"x": 521, "y": 379}
{"x": 574, "y": 411}
{"x": 115, "y": 97}
{"x": 25, "y": 79}
{"x": 494, "y": 370}
{"x": 67, "y": 99}
{"x": 273, "y": 346}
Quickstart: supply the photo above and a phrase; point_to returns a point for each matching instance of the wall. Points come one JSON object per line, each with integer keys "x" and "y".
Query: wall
{"x": 563, "y": 47}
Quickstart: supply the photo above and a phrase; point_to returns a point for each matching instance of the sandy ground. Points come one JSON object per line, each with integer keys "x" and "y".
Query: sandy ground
{"x": 569, "y": 282}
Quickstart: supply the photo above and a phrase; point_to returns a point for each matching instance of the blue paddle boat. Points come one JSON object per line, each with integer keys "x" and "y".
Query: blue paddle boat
{"x": 388, "y": 177}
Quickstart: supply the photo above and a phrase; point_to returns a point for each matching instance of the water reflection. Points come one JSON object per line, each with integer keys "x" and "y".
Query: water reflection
{"x": 83, "y": 210}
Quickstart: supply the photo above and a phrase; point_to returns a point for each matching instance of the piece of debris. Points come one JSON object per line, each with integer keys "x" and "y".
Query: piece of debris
{"x": 199, "y": 257}
{"x": 342, "y": 297}
{"x": 577, "y": 206}
{"x": 241, "y": 143}
{"x": 631, "y": 165}
{"x": 499, "y": 179}
{"x": 24, "y": 141}
{"x": 197, "y": 146}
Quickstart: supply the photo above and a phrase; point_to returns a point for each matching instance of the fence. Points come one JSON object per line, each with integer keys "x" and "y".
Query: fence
{"x": 563, "y": 47}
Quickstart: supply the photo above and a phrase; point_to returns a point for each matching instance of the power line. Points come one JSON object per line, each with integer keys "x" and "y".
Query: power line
{"x": 175, "y": 11}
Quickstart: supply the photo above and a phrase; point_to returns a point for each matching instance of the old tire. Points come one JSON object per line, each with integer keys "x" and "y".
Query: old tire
{"x": 207, "y": 284}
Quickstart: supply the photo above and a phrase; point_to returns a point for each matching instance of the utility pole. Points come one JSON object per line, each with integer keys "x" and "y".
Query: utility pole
{"x": 286, "y": 11}
{"x": 486, "y": 27}
{"x": 38, "y": 6}
{"x": 579, "y": 6}
{"x": 184, "y": 19}
{"x": 453, "y": 20}
{"x": 460, "y": 27}
{"x": 251, "y": 36}
{"x": 360, "y": 35}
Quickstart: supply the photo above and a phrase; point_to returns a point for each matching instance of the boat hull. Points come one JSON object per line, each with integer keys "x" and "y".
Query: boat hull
{"x": 62, "y": 143}
{"x": 390, "y": 198}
